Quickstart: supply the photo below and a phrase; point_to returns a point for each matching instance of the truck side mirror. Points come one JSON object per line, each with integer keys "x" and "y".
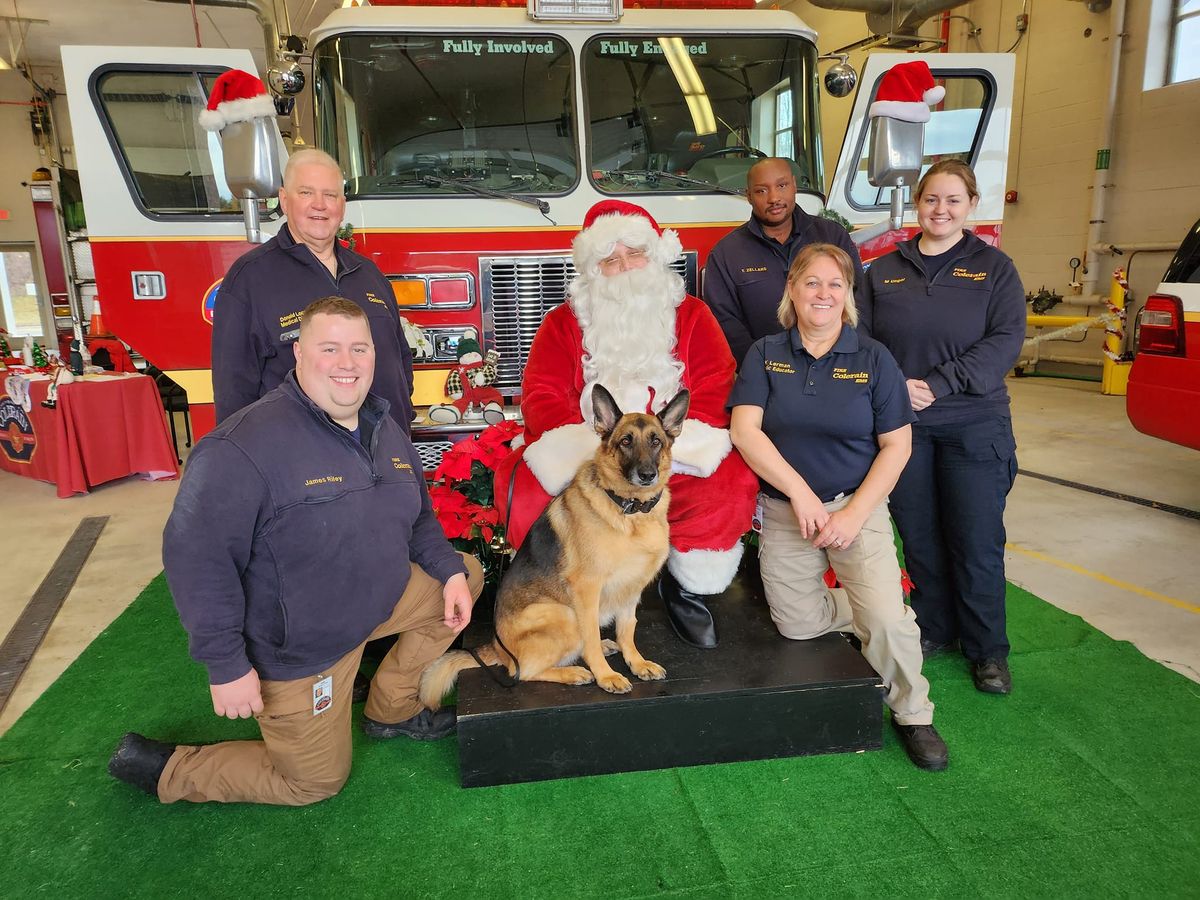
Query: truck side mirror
{"x": 252, "y": 166}
{"x": 896, "y": 150}
{"x": 894, "y": 159}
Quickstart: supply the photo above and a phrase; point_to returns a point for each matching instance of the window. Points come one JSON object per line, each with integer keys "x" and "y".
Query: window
{"x": 173, "y": 166}
{"x": 20, "y": 306}
{"x": 952, "y": 132}
{"x": 677, "y": 113}
{"x": 1183, "y": 62}
{"x": 783, "y": 121}
{"x": 448, "y": 114}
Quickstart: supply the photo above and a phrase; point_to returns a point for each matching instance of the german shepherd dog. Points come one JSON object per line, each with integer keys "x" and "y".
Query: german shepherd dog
{"x": 584, "y": 563}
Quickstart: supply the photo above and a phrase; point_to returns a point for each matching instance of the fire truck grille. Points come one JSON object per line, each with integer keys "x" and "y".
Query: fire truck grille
{"x": 518, "y": 293}
{"x": 431, "y": 452}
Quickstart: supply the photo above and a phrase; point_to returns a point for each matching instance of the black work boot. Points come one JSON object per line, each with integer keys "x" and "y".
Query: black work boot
{"x": 427, "y": 725}
{"x": 923, "y": 745}
{"x": 688, "y": 613}
{"x": 991, "y": 676}
{"x": 140, "y": 761}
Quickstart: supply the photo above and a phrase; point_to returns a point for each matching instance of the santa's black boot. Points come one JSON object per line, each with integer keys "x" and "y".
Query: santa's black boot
{"x": 687, "y": 612}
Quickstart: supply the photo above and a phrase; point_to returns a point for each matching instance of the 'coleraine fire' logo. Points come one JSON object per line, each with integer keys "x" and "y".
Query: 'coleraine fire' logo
{"x": 16, "y": 431}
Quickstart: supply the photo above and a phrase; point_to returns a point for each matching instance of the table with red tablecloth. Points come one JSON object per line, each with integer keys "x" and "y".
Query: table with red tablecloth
{"x": 104, "y": 427}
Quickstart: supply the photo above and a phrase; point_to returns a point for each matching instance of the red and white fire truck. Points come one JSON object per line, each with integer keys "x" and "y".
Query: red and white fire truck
{"x": 473, "y": 142}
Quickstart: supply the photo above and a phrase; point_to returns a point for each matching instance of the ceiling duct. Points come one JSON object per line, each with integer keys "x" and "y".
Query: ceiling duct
{"x": 893, "y": 19}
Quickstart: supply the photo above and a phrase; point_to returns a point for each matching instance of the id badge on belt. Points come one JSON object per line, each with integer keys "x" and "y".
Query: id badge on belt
{"x": 322, "y": 695}
{"x": 756, "y": 523}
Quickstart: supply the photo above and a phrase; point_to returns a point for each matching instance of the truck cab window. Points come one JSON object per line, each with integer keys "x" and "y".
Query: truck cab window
{"x": 441, "y": 114}
{"x": 667, "y": 111}
{"x": 172, "y": 165}
{"x": 953, "y": 131}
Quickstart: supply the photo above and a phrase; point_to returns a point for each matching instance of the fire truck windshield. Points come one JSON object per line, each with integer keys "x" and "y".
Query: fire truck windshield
{"x": 440, "y": 113}
{"x": 420, "y": 114}
{"x": 700, "y": 106}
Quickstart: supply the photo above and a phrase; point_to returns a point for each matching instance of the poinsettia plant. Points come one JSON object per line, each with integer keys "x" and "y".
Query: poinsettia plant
{"x": 464, "y": 500}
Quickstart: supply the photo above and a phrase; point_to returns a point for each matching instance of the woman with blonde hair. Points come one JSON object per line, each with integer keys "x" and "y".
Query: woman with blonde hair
{"x": 821, "y": 414}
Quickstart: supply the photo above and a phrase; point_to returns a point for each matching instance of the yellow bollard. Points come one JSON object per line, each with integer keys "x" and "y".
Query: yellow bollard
{"x": 1114, "y": 376}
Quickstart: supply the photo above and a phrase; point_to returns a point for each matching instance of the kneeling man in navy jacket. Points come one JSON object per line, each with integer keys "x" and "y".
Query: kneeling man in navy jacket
{"x": 302, "y": 530}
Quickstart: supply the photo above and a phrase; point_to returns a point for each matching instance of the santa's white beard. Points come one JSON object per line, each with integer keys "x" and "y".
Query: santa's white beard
{"x": 628, "y": 324}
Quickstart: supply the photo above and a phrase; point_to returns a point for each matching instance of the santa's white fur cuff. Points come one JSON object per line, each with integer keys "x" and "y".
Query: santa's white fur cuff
{"x": 700, "y": 448}
{"x": 705, "y": 571}
{"x": 556, "y": 456}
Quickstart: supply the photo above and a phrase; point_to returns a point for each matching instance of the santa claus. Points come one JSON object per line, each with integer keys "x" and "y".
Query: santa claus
{"x": 629, "y": 325}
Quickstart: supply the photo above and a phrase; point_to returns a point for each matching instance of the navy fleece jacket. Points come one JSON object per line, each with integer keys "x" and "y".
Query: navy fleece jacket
{"x": 257, "y": 319}
{"x": 959, "y": 332}
{"x": 290, "y": 542}
{"x": 746, "y": 272}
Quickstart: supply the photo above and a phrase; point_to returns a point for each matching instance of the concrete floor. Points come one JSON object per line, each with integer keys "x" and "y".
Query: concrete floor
{"x": 1130, "y": 571}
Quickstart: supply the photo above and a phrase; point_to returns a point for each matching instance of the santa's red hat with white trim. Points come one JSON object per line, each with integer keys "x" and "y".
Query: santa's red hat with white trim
{"x": 237, "y": 96}
{"x": 906, "y": 92}
{"x": 610, "y": 222}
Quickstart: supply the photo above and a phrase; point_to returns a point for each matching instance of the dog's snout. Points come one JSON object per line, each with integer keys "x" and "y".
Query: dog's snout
{"x": 647, "y": 477}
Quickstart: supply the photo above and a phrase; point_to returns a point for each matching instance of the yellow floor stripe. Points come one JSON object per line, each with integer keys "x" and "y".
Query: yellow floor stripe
{"x": 1124, "y": 585}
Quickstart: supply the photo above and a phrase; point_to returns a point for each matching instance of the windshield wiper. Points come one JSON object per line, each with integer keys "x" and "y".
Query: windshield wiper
{"x": 653, "y": 175}
{"x": 438, "y": 181}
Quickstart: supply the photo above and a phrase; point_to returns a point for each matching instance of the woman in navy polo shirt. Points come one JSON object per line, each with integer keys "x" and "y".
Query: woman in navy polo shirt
{"x": 951, "y": 309}
{"x": 822, "y": 415}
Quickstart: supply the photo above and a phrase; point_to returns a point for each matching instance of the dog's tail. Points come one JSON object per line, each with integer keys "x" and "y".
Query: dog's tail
{"x": 442, "y": 673}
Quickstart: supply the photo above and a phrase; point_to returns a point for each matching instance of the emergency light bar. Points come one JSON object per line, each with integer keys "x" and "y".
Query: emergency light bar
{"x": 589, "y": 10}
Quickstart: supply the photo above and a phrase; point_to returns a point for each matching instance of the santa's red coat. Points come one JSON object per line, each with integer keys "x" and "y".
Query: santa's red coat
{"x": 706, "y": 513}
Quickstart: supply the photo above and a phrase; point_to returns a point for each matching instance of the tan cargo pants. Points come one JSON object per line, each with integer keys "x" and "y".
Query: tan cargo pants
{"x": 803, "y": 607}
{"x": 304, "y": 756}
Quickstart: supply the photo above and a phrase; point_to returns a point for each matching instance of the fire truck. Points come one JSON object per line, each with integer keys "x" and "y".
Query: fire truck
{"x": 473, "y": 141}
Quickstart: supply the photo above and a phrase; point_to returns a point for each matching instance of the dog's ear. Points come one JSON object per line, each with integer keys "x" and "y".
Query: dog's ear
{"x": 604, "y": 410}
{"x": 674, "y": 413}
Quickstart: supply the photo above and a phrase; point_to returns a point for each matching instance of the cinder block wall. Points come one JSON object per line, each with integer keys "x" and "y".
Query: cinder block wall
{"x": 1062, "y": 79}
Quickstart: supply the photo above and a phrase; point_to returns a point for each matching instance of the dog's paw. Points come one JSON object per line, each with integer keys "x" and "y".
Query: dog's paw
{"x": 615, "y": 683}
{"x": 577, "y": 675}
{"x": 648, "y": 671}
{"x": 609, "y": 647}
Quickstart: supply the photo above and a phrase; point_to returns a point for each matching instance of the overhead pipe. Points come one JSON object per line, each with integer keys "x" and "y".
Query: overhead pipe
{"x": 262, "y": 11}
{"x": 1100, "y": 185}
{"x": 885, "y": 16}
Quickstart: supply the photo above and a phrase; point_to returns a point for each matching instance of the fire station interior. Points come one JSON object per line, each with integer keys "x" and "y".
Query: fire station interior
{"x": 1103, "y": 522}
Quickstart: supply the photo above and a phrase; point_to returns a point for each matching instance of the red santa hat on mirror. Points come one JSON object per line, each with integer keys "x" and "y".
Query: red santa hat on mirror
{"x": 610, "y": 222}
{"x": 906, "y": 92}
{"x": 237, "y": 96}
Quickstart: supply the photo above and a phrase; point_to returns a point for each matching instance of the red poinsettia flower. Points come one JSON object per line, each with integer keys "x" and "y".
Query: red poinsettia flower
{"x": 455, "y": 464}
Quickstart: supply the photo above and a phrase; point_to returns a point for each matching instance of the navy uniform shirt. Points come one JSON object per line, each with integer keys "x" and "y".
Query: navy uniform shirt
{"x": 747, "y": 270}
{"x": 823, "y": 415}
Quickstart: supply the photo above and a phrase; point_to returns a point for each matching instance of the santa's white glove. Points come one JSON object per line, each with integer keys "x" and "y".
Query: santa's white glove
{"x": 699, "y": 449}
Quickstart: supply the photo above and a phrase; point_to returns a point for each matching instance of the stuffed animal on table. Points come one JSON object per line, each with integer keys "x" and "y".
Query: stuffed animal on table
{"x": 60, "y": 375}
{"x": 469, "y": 386}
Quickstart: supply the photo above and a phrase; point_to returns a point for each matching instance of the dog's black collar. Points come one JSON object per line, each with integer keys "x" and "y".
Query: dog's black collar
{"x": 630, "y": 505}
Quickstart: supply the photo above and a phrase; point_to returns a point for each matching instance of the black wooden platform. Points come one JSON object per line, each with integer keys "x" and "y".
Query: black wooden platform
{"x": 756, "y": 696}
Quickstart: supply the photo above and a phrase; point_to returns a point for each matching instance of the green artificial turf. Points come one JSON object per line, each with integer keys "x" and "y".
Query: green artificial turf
{"x": 1082, "y": 783}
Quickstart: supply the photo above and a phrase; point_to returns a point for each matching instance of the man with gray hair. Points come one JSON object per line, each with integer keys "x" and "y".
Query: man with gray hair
{"x": 257, "y": 314}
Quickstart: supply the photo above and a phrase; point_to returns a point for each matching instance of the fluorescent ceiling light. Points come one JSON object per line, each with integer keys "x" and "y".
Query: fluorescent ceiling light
{"x": 684, "y": 70}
